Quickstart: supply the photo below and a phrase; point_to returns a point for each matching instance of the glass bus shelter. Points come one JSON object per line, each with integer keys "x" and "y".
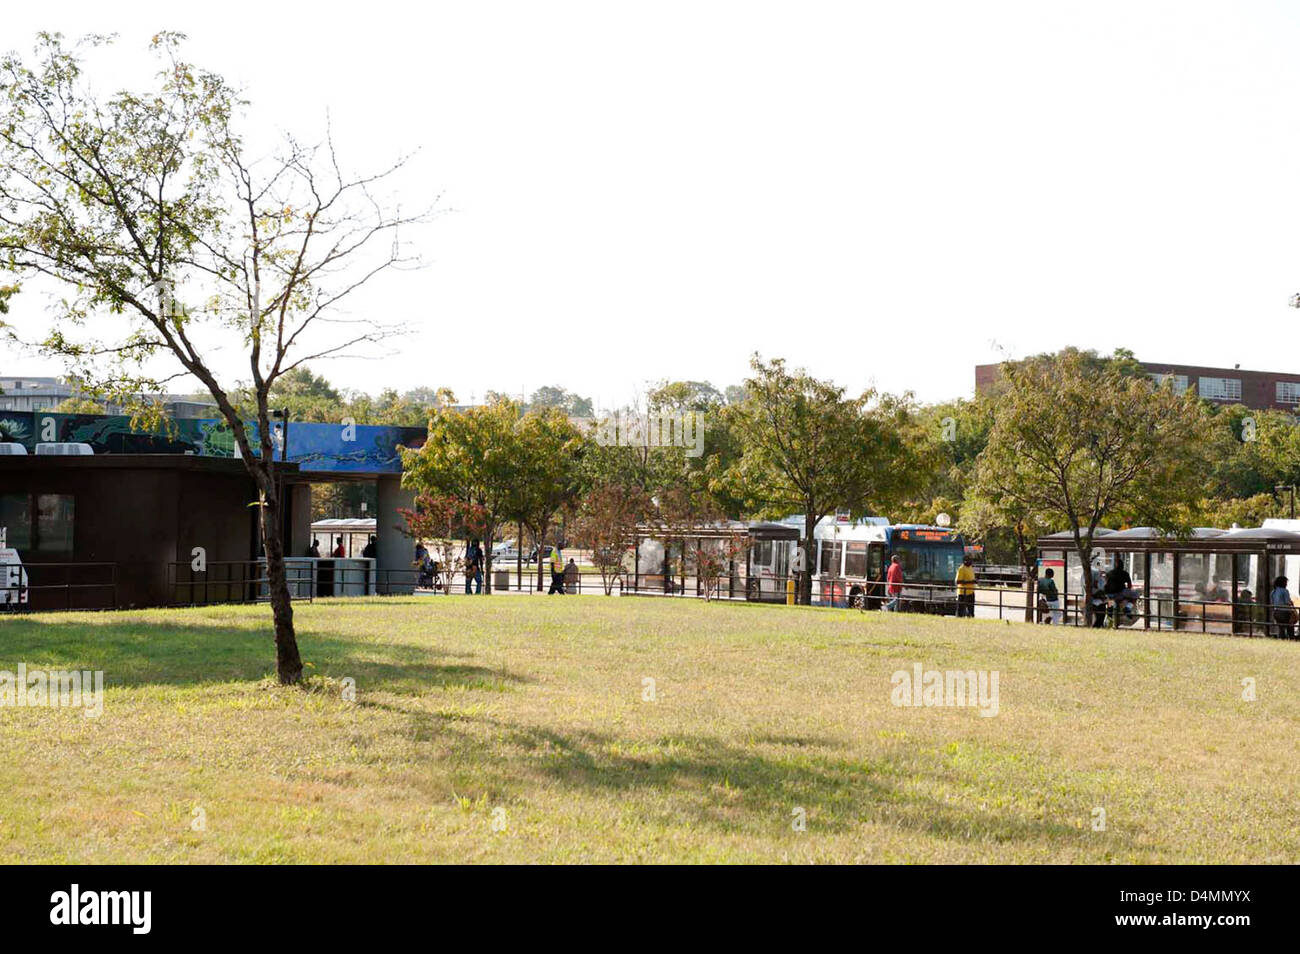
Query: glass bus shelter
{"x": 1213, "y": 581}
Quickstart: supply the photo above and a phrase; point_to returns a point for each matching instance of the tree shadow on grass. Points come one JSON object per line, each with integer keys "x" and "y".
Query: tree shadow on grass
{"x": 139, "y": 652}
{"x": 753, "y": 788}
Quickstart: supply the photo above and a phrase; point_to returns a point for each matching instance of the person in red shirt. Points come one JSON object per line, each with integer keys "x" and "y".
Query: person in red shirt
{"x": 339, "y": 553}
{"x": 895, "y": 581}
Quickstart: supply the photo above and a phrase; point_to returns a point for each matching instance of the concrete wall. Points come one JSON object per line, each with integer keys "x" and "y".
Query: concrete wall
{"x": 394, "y": 550}
{"x": 299, "y": 536}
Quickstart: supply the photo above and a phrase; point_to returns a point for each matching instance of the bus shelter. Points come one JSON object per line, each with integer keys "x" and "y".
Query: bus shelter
{"x": 1212, "y": 581}
{"x": 744, "y": 560}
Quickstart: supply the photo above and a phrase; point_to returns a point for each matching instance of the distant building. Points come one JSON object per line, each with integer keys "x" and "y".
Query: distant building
{"x": 1259, "y": 390}
{"x": 34, "y": 393}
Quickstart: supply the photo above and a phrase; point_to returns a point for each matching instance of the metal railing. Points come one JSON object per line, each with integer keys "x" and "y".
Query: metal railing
{"x": 225, "y": 581}
{"x": 511, "y": 581}
{"x": 1162, "y": 611}
{"x": 18, "y": 597}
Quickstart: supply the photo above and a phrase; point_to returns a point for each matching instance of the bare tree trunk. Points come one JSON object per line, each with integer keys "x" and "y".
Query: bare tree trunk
{"x": 539, "y": 535}
{"x": 486, "y": 568}
{"x": 1031, "y": 578}
{"x": 288, "y": 662}
{"x": 1085, "y": 553}
{"x": 805, "y": 578}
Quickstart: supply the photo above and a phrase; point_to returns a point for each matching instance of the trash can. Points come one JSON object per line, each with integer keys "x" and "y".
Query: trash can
{"x": 500, "y": 579}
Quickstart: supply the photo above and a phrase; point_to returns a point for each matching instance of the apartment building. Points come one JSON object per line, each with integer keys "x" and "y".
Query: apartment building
{"x": 1260, "y": 390}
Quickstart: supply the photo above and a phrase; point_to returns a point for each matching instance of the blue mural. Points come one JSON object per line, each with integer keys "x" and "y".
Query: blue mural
{"x": 354, "y": 449}
{"x": 361, "y": 449}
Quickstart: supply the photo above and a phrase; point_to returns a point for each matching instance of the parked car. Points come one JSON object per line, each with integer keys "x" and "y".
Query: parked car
{"x": 508, "y": 552}
{"x": 505, "y": 551}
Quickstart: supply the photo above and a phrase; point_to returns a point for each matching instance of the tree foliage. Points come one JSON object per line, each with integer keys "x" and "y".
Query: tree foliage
{"x": 809, "y": 448}
{"x": 173, "y": 243}
{"x": 1075, "y": 444}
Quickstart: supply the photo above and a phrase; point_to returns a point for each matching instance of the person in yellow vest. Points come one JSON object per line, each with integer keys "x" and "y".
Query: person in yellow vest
{"x": 966, "y": 589}
{"x": 557, "y": 572}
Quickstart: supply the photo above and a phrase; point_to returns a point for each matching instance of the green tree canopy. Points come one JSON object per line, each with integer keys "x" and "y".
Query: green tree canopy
{"x": 1076, "y": 443}
{"x": 809, "y": 448}
{"x": 173, "y": 241}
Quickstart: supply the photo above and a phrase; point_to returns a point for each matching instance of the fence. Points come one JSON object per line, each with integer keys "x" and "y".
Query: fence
{"x": 37, "y": 587}
{"x": 54, "y": 586}
{"x": 246, "y": 581}
{"x": 1161, "y": 611}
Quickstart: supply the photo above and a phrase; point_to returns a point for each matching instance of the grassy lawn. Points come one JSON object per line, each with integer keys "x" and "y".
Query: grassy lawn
{"x": 530, "y": 712}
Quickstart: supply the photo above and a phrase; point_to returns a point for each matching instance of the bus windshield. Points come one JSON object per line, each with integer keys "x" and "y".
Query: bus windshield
{"x": 933, "y": 562}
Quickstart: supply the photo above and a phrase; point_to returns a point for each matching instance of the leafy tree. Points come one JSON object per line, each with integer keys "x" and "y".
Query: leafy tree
{"x": 1261, "y": 451}
{"x": 343, "y": 499}
{"x": 637, "y": 463}
{"x": 472, "y": 456}
{"x": 810, "y": 449}
{"x": 427, "y": 397}
{"x": 1075, "y": 444}
{"x": 683, "y": 396}
{"x": 605, "y": 522}
{"x": 701, "y": 406}
{"x": 545, "y": 474}
{"x": 985, "y": 518}
{"x": 146, "y": 205}
{"x": 959, "y": 430}
{"x": 561, "y": 400}
{"x": 1243, "y": 511}
{"x": 713, "y": 558}
{"x": 78, "y": 405}
{"x": 440, "y": 521}
{"x": 305, "y": 395}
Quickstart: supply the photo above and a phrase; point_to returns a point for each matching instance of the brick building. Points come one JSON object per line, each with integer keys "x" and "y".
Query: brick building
{"x": 1259, "y": 390}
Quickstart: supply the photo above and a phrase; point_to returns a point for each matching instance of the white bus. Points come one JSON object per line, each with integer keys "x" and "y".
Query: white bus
{"x": 850, "y": 559}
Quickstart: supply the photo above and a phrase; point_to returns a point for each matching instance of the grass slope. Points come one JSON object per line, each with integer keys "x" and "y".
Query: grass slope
{"x": 530, "y": 712}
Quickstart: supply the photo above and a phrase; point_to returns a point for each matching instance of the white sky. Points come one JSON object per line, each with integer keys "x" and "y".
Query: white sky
{"x": 885, "y": 193}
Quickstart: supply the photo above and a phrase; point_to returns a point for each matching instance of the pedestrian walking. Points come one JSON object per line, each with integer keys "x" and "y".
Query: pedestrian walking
{"x": 557, "y": 572}
{"x": 894, "y": 579}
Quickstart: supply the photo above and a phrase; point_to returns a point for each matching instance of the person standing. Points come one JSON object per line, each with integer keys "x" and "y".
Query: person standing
{"x": 894, "y": 580}
{"x": 966, "y": 589}
{"x": 1048, "y": 593}
{"x": 479, "y": 566}
{"x": 1283, "y": 610}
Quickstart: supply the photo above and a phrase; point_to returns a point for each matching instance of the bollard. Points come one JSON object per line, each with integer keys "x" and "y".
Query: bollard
{"x": 789, "y": 592}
